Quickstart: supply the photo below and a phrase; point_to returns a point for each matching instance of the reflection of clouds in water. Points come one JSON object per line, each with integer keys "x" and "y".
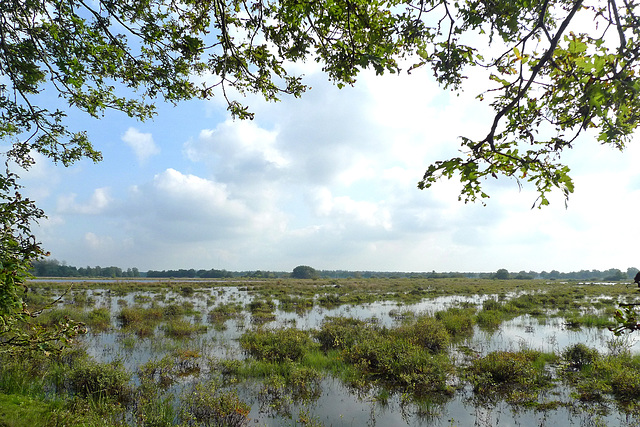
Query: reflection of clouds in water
{"x": 550, "y": 336}
{"x": 347, "y": 407}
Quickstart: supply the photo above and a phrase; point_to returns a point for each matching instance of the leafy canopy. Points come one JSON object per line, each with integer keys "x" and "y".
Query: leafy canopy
{"x": 557, "y": 68}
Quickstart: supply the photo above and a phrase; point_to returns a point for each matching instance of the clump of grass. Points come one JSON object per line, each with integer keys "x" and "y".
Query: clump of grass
{"x": 399, "y": 363}
{"x": 174, "y": 310}
{"x": 426, "y": 332}
{"x": 502, "y": 368}
{"x": 36, "y": 300}
{"x": 299, "y": 305}
{"x": 100, "y": 381}
{"x": 340, "y": 332}
{"x": 99, "y": 319}
{"x": 262, "y": 311}
{"x": 180, "y": 328}
{"x": 515, "y": 376}
{"x": 457, "y": 321}
{"x": 141, "y": 299}
{"x": 206, "y": 404}
{"x": 625, "y": 385}
{"x": 617, "y": 375}
{"x": 289, "y": 344}
{"x": 187, "y": 291}
{"x": 224, "y": 312}
{"x": 296, "y": 385}
{"x": 187, "y": 361}
{"x": 495, "y": 312}
{"x": 142, "y": 321}
{"x": 330, "y": 301}
{"x": 590, "y": 320}
{"x": 55, "y": 316}
{"x": 157, "y": 373}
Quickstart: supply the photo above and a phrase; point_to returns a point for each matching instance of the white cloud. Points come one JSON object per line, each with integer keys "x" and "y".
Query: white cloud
{"x": 346, "y": 213}
{"x": 98, "y": 203}
{"x": 97, "y": 243}
{"x": 184, "y": 207}
{"x": 235, "y": 146}
{"x": 141, "y": 143}
{"x": 330, "y": 180}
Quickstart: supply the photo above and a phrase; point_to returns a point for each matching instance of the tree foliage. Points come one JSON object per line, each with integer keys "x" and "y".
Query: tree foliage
{"x": 502, "y": 274}
{"x": 556, "y": 69}
{"x": 304, "y": 272}
{"x": 18, "y": 248}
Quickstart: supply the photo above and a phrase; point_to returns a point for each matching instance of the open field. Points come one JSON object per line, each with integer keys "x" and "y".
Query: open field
{"x": 443, "y": 352}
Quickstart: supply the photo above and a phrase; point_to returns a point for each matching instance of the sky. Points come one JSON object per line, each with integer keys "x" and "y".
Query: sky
{"x": 330, "y": 181}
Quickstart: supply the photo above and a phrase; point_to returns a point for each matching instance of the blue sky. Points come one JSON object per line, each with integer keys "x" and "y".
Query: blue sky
{"x": 329, "y": 181}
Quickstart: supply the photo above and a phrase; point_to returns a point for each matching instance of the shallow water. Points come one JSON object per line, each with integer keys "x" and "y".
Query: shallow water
{"x": 338, "y": 405}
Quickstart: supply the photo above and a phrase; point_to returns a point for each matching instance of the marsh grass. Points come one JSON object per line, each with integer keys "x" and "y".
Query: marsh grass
{"x": 207, "y": 404}
{"x": 98, "y": 320}
{"x": 100, "y": 381}
{"x": 223, "y": 312}
{"x": 181, "y": 329}
{"x": 262, "y": 311}
{"x": 590, "y": 320}
{"x": 288, "y": 303}
{"x": 277, "y": 345}
{"x": 517, "y": 377}
{"x": 412, "y": 360}
{"x": 457, "y": 321}
{"x": 55, "y": 316}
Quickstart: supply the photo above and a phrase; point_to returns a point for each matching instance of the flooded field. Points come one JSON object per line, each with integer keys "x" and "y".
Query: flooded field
{"x": 445, "y": 352}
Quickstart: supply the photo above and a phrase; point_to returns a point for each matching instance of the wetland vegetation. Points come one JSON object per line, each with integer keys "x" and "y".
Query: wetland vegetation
{"x": 449, "y": 352}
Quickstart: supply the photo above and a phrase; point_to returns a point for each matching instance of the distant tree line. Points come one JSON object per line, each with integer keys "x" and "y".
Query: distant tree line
{"x": 191, "y": 274}
{"x": 54, "y": 268}
{"x": 612, "y": 274}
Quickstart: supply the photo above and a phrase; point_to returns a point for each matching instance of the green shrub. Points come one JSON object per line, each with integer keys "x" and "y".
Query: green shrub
{"x": 579, "y": 356}
{"x": 625, "y": 385}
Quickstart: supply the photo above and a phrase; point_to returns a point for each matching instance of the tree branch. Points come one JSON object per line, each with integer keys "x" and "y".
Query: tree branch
{"x": 534, "y": 72}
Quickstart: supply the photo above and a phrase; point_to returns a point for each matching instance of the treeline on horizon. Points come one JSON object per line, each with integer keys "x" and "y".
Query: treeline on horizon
{"x": 54, "y": 268}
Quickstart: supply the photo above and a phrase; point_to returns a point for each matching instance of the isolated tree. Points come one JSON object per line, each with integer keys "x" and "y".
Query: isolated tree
{"x": 555, "y": 69}
{"x": 502, "y": 274}
{"x": 304, "y": 272}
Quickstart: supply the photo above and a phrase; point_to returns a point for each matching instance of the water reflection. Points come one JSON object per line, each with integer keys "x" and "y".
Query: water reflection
{"x": 339, "y": 405}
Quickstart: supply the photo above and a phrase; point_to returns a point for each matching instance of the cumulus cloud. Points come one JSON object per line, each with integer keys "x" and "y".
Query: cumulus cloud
{"x": 141, "y": 143}
{"x": 236, "y": 150}
{"x": 329, "y": 180}
{"x": 190, "y": 208}
{"x": 98, "y": 203}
